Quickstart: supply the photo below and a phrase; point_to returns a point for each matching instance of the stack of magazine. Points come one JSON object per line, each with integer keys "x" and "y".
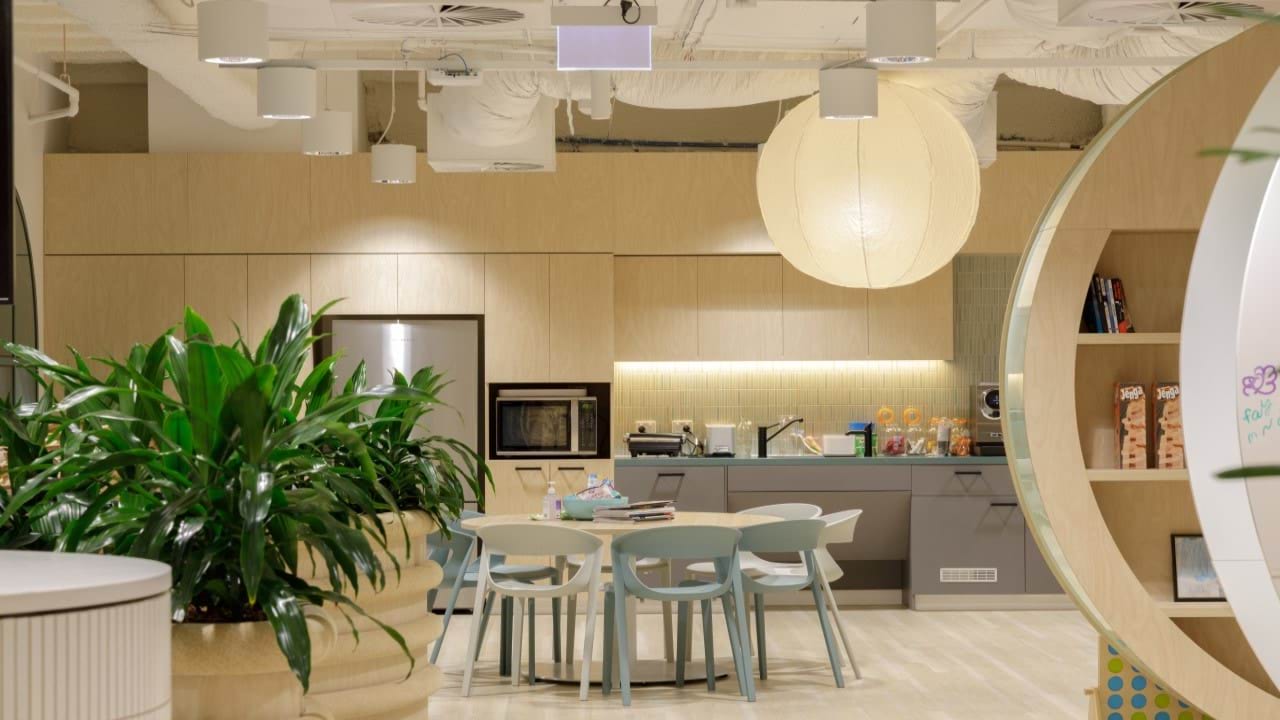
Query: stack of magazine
{"x": 637, "y": 512}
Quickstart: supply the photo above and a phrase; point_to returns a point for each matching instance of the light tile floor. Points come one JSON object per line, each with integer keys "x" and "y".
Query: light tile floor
{"x": 926, "y": 666}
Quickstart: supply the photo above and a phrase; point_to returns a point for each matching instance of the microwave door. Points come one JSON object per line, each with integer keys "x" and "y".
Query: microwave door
{"x": 531, "y": 427}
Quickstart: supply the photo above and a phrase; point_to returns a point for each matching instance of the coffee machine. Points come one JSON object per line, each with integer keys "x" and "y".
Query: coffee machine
{"x": 988, "y": 436}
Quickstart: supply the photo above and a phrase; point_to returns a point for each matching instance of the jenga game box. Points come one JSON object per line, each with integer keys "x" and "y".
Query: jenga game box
{"x": 1131, "y": 426}
{"x": 1170, "y": 452}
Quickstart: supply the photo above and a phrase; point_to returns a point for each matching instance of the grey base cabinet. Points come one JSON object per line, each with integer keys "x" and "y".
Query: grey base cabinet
{"x": 967, "y": 545}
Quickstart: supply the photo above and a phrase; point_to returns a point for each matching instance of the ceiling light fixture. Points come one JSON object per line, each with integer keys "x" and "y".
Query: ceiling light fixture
{"x": 604, "y": 37}
{"x": 232, "y": 32}
{"x": 328, "y": 134}
{"x": 601, "y": 95}
{"x": 286, "y": 93}
{"x": 395, "y": 164}
{"x": 848, "y": 93}
{"x": 902, "y": 32}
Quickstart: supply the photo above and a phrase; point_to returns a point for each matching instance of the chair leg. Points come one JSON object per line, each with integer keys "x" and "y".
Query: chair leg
{"x": 484, "y": 619}
{"x": 839, "y": 621}
{"x": 708, "y": 645}
{"x": 751, "y": 643}
{"x": 682, "y": 625}
{"x": 665, "y": 577}
{"x": 833, "y": 653}
{"x": 533, "y": 617}
{"x": 555, "y": 613}
{"x": 473, "y": 649}
{"x": 448, "y": 612}
{"x": 588, "y": 640}
{"x": 517, "y": 618}
{"x": 737, "y": 643}
{"x": 749, "y": 679}
{"x": 606, "y": 672}
{"x": 760, "y": 649}
{"x": 570, "y": 628}
{"x": 624, "y": 650}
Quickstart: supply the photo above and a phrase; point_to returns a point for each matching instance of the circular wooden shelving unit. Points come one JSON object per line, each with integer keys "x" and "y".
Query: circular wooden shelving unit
{"x": 1131, "y": 208}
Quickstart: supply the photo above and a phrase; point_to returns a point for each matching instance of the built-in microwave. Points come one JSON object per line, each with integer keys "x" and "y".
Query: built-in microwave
{"x": 560, "y": 421}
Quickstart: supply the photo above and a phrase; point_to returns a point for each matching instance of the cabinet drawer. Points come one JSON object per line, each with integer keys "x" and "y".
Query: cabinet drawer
{"x": 956, "y": 536}
{"x": 696, "y": 489}
{"x": 816, "y": 478}
{"x": 977, "y": 480}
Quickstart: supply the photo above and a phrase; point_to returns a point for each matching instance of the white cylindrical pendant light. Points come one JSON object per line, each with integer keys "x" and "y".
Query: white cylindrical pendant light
{"x": 902, "y": 31}
{"x": 848, "y": 93}
{"x": 395, "y": 164}
{"x": 232, "y": 32}
{"x": 286, "y": 93}
{"x": 601, "y": 95}
{"x": 327, "y": 134}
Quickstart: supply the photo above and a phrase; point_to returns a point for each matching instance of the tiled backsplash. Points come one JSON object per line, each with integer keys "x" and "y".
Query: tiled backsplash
{"x": 828, "y": 394}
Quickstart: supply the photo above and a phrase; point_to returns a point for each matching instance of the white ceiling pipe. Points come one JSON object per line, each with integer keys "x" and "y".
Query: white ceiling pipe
{"x": 73, "y": 95}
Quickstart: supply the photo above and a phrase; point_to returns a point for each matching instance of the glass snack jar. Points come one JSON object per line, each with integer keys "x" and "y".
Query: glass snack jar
{"x": 914, "y": 432}
{"x": 961, "y": 440}
{"x": 892, "y": 441}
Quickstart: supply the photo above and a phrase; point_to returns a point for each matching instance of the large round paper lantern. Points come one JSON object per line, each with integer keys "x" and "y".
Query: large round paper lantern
{"x": 869, "y": 203}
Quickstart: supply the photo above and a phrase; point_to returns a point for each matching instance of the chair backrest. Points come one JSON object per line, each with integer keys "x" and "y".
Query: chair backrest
{"x": 538, "y": 539}
{"x": 840, "y": 526}
{"x": 453, "y": 550}
{"x": 786, "y": 511}
{"x": 782, "y": 536}
{"x": 689, "y": 542}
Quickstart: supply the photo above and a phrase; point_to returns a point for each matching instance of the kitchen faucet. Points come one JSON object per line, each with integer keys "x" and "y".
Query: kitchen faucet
{"x": 763, "y": 437}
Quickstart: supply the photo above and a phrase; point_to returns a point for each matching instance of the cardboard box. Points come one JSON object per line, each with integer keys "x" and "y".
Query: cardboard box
{"x": 1170, "y": 449}
{"x": 1131, "y": 426}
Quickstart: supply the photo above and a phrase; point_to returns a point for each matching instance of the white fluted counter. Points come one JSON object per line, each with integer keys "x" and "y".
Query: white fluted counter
{"x": 83, "y": 637}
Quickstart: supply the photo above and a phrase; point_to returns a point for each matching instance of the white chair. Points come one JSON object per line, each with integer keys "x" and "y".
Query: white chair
{"x": 535, "y": 539}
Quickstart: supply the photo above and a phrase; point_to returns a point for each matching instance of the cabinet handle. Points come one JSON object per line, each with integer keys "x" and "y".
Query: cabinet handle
{"x": 995, "y": 503}
{"x": 577, "y": 468}
{"x": 535, "y": 468}
{"x": 970, "y": 473}
{"x": 670, "y": 474}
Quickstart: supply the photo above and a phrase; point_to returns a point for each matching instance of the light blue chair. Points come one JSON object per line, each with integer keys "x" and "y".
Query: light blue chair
{"x": 788, "y": 536}
{"x": 718, "y": 544}
{"x": 455, "y": 554}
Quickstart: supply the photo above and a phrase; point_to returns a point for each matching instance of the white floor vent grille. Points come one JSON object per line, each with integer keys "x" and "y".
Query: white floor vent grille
{"x": 968, "y": 575}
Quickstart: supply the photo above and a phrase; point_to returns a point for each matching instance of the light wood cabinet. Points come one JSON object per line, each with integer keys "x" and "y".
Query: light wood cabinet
{"x": 581, "y": 321}
{"x": 243, "y": 202}
{"x": 821, "y": 321}
{"x": 518, "y": 487}
{"x": 217, "y": 289}
{"x": 570, "y": 476}
{"x": 914, "y": 322}
{"x": 441, "y": 284}
{"x": 115, "y": 204}
{"x": 517, "y": 323}
{"x": 740, "y": 308}
{"x": 272, "y": 278}
{"x": 365, "y": 284}
{"x": 655, "y": 308}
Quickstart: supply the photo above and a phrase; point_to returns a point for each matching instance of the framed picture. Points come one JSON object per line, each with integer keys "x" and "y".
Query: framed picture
{"x": 1194, "y": 579}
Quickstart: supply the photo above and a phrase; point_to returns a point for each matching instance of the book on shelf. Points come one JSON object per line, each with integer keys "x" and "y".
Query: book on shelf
{"x": 1106, "y": 308}
{"x": 637, "y": 511}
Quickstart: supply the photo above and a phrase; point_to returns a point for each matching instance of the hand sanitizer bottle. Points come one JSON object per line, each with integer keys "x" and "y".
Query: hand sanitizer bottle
{"x": 551, "y": 503}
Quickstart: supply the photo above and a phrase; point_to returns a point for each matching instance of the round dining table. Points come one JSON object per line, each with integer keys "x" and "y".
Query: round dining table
{"x": 644, "y": 671}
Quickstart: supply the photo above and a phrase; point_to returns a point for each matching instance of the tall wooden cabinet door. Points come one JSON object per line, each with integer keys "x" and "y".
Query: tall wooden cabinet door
{"x": 518, "y": 487}
{"x": 272, "y": 279}
{"x": 517, "y": 317}
{"x": 655, "y": 308}
{"x": 217, "y": 289}
{"x": 570, "y": 476}
{"x": 581, "y": 318}
{"x": 914, "y": 322}
{"x": 740, "y": 308}
{"x": 821, "y": 321}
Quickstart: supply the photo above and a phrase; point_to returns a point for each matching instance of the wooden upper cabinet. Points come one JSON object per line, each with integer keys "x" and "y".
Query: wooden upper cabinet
{"x": 115, "y": 204}
{"x": 217, "y": 289}
{"x": 655, "y": 308}
{"x": 363, "y": 284}
{"x": 740, "y": 308}
{"x": 517, "y": 317}
{"x": 581, "y": 313}
{"x": 821, "y": 321}
{"x": 914, "y": 322}
{"x": 272, "y": 279}
{"x": 441, "y": 284}
{"x": 244, "y": 202}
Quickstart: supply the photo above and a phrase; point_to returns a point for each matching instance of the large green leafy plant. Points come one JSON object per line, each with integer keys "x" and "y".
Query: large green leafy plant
{"x": 222, "y": 461}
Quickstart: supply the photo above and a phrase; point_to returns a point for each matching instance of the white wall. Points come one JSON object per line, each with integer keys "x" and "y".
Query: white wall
{"x": 177, "y": 124}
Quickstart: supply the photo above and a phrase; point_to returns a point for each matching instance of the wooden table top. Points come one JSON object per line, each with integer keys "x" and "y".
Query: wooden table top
{"x": 730, "y": 520}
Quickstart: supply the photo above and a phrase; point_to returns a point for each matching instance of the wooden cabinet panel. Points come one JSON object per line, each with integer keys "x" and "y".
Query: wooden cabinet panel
{"x": 441, "y": 284}
{"x": 1015, "y": 190}
{"x": 517, "y": 322}
{"x": 570, "y": 476}
{"x": 351, "y": 214}
{"x": 245, "y": 202}
{"x": 102, "y": 305}
{"x": 272, "y": 278}
{"x": 963, "y": 534}
{"x": 687, "y": 204}
{"x": 821, "y": 321}
{"x": 115, "y": 204}
{"x": 366, "y": 284}
{"x": 217, "y": 289}
{"x": 518, "y": 487}
{"x": 581, "y": 308}
{"x": 740, "y": 308}
{"x": 914, "y": 322}
{"x": 655, "y": 308}
{"x": 569, "y": 210}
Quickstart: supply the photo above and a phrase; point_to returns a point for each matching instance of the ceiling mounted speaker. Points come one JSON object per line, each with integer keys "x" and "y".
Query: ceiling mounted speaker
{"x": 286, "y": 93}
{"x": 232, "y": 32}
{"x": 328, "y": 134}
{"x": 869, "y": 203}
{"x": 395, "y": 164}
{"x": 848, "y": 93}
{"x": 902, "y": 31}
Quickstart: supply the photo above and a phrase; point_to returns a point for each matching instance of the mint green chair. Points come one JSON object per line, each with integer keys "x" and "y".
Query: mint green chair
{"x": 788, "y": 536}
{"x": 718, "y": 544}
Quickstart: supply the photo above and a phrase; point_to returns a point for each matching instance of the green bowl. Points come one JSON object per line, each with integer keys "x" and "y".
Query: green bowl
{"x": 579, "y": 509}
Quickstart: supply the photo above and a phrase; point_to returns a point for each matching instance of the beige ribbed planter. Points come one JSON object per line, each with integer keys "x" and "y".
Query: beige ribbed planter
{"x": 234, "y": 671}
{"x": 366, "y": 680}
